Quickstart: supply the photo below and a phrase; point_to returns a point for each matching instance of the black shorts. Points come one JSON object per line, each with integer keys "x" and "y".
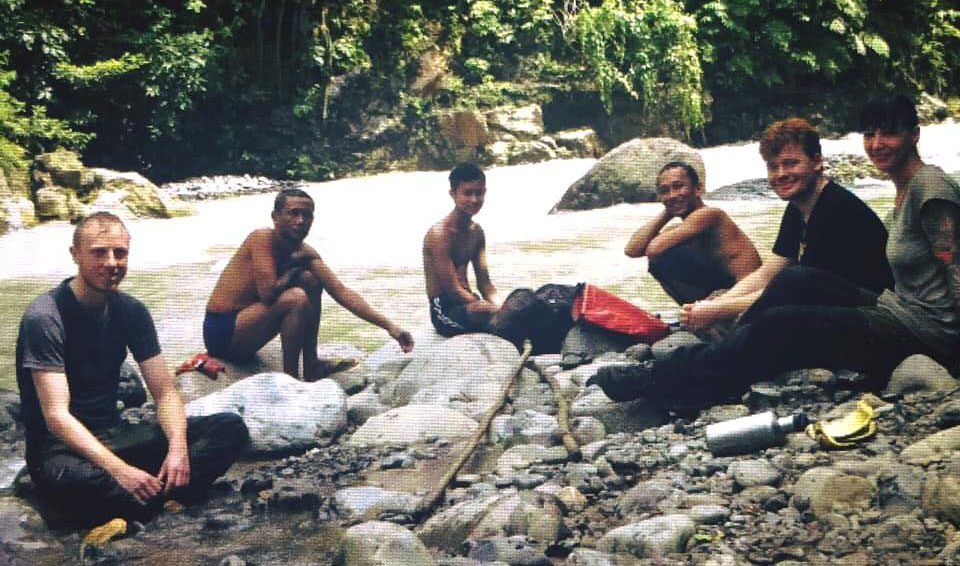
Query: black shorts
{"x": 449, "y": 316}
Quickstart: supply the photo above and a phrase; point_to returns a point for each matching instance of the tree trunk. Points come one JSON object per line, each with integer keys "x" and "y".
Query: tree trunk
{"x": 278, "y": 66}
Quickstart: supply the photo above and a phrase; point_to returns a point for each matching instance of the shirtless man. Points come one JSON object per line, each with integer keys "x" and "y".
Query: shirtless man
{"x": 272, "y": 285}
{"x": 449, "y": 246}
{"x": 704, "y": 253}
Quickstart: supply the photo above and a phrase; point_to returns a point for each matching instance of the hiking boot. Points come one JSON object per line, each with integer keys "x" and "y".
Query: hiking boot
{"x": 623, "y": 382}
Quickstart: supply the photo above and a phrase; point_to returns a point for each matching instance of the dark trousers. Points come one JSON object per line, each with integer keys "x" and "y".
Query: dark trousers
{"x": 687, "y": 275}
{"x": 74, "y": 492}
{"x": 807, "y": 319}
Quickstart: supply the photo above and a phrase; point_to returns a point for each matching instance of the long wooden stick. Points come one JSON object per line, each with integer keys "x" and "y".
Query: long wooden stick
{"x": 431, "y": 500}
{"x": 563, "y": 418}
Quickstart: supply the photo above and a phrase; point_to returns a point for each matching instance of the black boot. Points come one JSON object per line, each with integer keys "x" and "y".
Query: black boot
{"x": 623, "y": 382}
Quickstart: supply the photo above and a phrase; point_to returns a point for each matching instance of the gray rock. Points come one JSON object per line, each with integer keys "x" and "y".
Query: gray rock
{"x": 709, "y": 514}
{"x": 369, "y": 501}
{"x": 464, "y": 373}
{"x": 587, "y": 557}
{"x": 653, "y": 537}
{"x": 11, "y": 464}
{"x": 580, "y": 475}
{"x": 665, "y": 347}
{"x": 386, "y": 364}
{"x": 131, "y": 389}
{"x": 750, "y": 189}
{"x": 126, "y": 194}
{"x": 749, "y": 473}
{"x": 363, "y": 405}
{"x": 645, "y": 497}
{"x": 639, "y": 352}
{"x": 587, "y": 430}
{"x": 514, "y": 550}
{"x": 9, "y": 409}
{"x": 521, "y": 457}
{"x": 413, "y": 423}
{"x": 827, "y": 490}
{"x": 523, "y": 122}
{"x": 618, "y": 417}
{"x": 941, "y": 497}
{"x": 535, "y": 515}
{"x": 281, "y": 413}
{"x": 920, "y": 373}
{"x": 628, "y": 174}
{"x": 381, "y": 544}
{"x": 898, "y": 533}
{"x": 581, "y": 142}
{"x": 933, "y": 448}
{"x": 22, "y": 528}
{"x": 586, "y": 342}
{"x": 525, "y": 427}
{"x": 948, "y": 414}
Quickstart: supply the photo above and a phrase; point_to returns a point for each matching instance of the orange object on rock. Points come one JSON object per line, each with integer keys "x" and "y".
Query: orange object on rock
{"x": 203, "y": 363}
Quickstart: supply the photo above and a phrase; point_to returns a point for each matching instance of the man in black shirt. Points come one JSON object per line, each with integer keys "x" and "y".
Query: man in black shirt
{"x": 826, "y": 232}
{"x": 87, "y": 464}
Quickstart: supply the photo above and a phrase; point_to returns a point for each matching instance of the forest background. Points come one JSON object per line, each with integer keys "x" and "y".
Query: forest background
{"x": 303, "y": 88}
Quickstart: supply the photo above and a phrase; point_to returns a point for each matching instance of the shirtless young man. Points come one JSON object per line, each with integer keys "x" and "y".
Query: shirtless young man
{"x": 272, "y": 285}
{"x": 705, "y": 252}
{"x": 449, "y": 246}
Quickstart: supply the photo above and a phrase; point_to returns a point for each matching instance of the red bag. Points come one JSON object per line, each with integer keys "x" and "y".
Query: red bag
{"x": 606, "y": 310}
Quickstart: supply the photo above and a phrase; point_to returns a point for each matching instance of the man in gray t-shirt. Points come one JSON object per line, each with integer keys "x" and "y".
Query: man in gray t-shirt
{"x": 89, "y": 466}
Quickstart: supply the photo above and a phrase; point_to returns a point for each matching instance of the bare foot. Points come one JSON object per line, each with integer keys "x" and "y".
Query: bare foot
{"x": 324, "y": 368}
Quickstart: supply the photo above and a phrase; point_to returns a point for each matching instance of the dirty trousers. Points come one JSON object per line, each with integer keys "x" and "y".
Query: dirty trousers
{"x": 74, "y": 492}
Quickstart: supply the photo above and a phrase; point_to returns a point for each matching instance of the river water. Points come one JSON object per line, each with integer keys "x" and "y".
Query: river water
{"x": 370, "y": 229}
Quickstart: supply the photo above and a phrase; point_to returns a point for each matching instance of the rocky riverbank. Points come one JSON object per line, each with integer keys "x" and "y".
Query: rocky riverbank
{"x": 641, "y": 489}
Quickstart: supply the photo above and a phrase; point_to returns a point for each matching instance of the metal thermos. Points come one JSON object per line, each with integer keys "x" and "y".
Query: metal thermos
{"x": 754, "y": 432}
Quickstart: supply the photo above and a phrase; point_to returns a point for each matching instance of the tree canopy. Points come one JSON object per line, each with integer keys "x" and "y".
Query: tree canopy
{"x": 179, "y": 87}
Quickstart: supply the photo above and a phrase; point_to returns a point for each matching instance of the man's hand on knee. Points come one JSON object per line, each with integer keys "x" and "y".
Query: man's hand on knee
{"x": 138, "y": 483}
{"x": 175, "y": 471}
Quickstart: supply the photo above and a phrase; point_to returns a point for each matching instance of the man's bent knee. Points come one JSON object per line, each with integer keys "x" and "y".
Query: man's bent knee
{"x": 294, "y": 298}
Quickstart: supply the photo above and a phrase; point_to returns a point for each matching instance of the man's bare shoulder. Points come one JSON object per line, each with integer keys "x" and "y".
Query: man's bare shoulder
{"x": 706, "y": 217}
{"x": 258, "y": 237}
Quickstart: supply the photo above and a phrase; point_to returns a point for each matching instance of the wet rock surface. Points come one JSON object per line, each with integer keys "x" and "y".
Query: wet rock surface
{"x": 640, "y": 494}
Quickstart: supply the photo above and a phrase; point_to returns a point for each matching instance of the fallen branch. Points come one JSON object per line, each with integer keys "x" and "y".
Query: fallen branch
{"x": 431, "y": 500}
{"x": 563, "y": 418}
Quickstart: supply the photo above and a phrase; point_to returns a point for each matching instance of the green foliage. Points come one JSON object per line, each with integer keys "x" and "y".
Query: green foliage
{"x": 100, "y": 71}
{"x": 646, "y": 50}
{"x": 21, "y": 131}
{"x": 181, "y": 87}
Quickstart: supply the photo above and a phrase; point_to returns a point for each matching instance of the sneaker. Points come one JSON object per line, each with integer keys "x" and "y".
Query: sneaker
{"x": 623, "y": 382}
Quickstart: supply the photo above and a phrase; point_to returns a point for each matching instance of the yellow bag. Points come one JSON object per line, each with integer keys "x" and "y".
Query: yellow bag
{"x": 847, "y": 430}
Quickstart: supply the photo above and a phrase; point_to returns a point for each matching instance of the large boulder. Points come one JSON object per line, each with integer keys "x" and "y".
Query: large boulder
{"x": 16, "y": 209}
{"x": 127, "y": 194}
{"x": 282, "y": 414}
{"x": 464, "y": 373}
{"x": 580, "y": 142}
{"x": 65, "y": 169}
{"x": 378, "y": 543}
{"x": 628, "y": 174}
{"x": 653, "y": 537}
{"x": 534, "y": 514}
{"x": 523, "y": 122}
{"x": 66, "y": 190}
{"x": 57, "y": 203}
{"x": 386, "y": 364}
